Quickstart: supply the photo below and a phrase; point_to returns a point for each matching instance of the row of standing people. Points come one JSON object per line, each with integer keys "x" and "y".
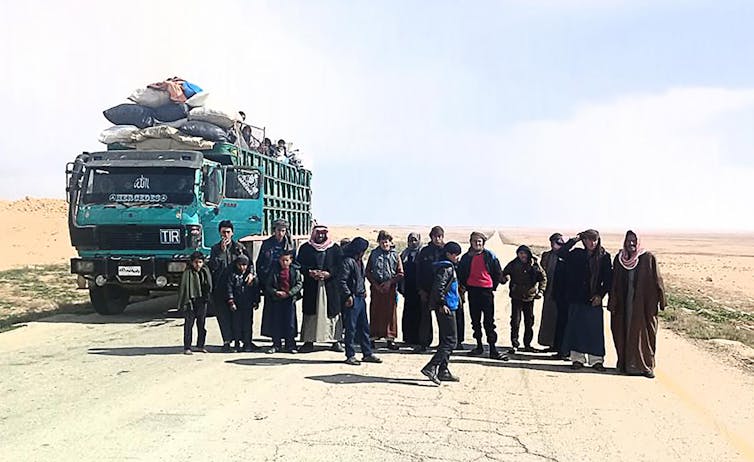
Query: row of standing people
{"x": 571, "y": 326}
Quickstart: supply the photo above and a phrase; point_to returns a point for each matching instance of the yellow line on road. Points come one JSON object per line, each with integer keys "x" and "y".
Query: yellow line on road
{"x": 744, "y": 447}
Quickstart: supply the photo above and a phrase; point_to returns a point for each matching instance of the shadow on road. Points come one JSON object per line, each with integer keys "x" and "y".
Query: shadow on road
{"x": 281, "y": 361}
{"x": 137, "y": 351}
{"x": 351, "y": 379}
{"x": 562, "y": 368}
{"x": 141, "y": 310}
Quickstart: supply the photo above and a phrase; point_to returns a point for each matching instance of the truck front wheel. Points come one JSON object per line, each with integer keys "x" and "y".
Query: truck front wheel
{"x": 108, "y": 300}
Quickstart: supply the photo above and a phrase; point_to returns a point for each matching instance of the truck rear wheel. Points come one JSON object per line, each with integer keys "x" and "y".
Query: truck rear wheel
{"x": 108, "y": 300}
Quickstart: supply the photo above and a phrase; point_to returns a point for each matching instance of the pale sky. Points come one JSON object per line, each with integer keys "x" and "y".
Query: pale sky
{"x": 542, "y": 113}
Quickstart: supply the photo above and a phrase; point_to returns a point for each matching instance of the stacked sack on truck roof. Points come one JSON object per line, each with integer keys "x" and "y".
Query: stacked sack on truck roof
{"x": 172, "y": 114}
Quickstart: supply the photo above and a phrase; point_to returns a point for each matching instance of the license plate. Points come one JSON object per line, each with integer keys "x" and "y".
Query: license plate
{"x": 129, "y": 271}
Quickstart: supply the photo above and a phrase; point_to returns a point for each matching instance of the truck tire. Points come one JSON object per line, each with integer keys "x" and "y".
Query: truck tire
{"x": 108, "y": 300}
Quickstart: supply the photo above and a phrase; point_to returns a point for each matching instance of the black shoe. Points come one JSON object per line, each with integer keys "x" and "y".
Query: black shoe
{"x": 371, "y": 359}
{"x": 290, "y": 351}
{"x": 391, "y": 345}
{"x": 577, "y": 365}
{"x": 599, "y": 367}
{"x": 478, "y": 351}
{"x": 550, "y": 350}
{"x": 226, "y": 348}
{"x": 431, "y": 373}
{"x": 460, "y": 347}
{"x": 419, "y": 349}
{"x": 494, "y": 354}
{"x": 272, "y": 350}
{"x": 337, "y": 347}
{"x": 512, "y": 350}
{"x": 530, "y": 349}
{"x": 446, "y": 376}
{"x": 352, "y": 361}
{"x": 649, "y": 374}
{"x": 307, "y": 347}
{"x": 187, "y": 351}
{"x": 252, "y": 347}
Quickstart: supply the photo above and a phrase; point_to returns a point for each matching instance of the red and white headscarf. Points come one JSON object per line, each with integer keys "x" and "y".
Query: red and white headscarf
{"x": 323, "y": 246}
{"x": 627, "y": 261}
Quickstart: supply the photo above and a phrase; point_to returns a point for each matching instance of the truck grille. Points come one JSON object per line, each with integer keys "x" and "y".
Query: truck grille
{"x": 137, "y": 237}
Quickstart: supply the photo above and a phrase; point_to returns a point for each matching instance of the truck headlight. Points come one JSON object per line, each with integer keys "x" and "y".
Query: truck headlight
{"x": 100, "y": 280}
{"x": 176, "y": 266}
{"x": 84, "y": 267}
{"x": 161, "y": 281}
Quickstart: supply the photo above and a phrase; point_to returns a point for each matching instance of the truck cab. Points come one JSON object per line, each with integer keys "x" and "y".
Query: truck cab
{"x": 136, "y": 216}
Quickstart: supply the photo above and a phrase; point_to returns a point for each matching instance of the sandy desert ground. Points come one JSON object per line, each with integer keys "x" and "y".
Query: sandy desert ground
{"x": 83, "y": 387}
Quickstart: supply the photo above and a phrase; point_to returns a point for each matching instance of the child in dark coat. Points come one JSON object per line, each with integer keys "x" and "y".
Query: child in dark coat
{"x": 243, "y": 299}
{"x": 193, "y": 295}
{"x": 282, "y": 288}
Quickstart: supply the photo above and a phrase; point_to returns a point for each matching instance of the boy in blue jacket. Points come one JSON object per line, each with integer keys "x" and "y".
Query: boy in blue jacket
{"x": 444, "y": 299}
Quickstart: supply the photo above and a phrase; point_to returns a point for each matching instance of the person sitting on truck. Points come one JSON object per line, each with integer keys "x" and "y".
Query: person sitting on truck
{"x": 281, "y": 148}
{"x": 283, "y": 287}
{"x": 272, "y": 248}
{"x": 242, "y": 299}
{"x": 193, "y": 295}
{"x": 221, "y": 257}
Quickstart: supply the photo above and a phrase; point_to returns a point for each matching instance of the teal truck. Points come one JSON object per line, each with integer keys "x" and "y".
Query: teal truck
{"x": 135, "y": 216}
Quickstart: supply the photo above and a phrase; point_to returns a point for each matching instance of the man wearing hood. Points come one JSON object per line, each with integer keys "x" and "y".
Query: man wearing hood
{"x": 527, "y": 283}
{"x": 479, "y": 273}
{"x": 242, "y": 298}
{"x": 589, "y": 276}
{"x": 352, "y": 287}
{"x": 636, "y": 295}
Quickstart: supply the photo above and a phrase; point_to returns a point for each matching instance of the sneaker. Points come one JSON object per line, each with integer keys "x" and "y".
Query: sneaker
{"x": 290, "y": 351}
{"x": 337, "y": 347}
{"x": 496, "y": 355}
{"x": 431, "y": 373}
{"x": 202, "y": 350}
{"x": 598, "y": 367}
{"x": 478, "y": 351}
{"x": 226, "y": 348}
{"x": 649, "y": 374}
{"x": 577, "y": 365}
{"x": 352, "y": 361}
{"x": 272, "y": 350}
{"x": 187, "y": 352}
{"x": 371, "y": 359}
{"x": 512, "y": 350}
{"x": 446, "y": 376}
{"x": 307, "y": 347}
{"x": 391, "y": 345}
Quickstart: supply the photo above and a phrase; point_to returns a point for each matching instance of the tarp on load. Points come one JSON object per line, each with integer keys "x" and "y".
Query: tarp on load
{"x": 150, "y": 97}
{"x": 221, "y": 118}
{"x": 171, "y": 112}
{"x": 118, "y": 134}
{"x": 205, "y": 130}
{"x": 130, "y": 114}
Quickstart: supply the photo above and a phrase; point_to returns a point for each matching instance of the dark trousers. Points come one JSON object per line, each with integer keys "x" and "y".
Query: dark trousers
{"x": 357, "y": 327}
{"x": 447, "y": 326}
{"x": 241, "y": 325}
{"x": 482, "y": 303}
{"x": 196, "y": 311}
{"x": 560, "y": 326}
{"x": 284, "y": 323}
{"x": 224, "y": 318}
{"x": 425, "y": 324}
{"x": 517, "y": 308}
{"x": 460, "y": 324}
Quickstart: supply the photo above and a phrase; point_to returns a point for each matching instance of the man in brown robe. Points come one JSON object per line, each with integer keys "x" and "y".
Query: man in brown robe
{"x": 636, "y": 295}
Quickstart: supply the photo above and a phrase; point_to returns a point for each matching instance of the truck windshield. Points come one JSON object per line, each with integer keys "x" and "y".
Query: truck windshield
{"x": 139, "y": 185}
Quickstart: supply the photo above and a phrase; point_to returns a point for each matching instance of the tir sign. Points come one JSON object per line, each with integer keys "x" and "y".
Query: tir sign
{"x": 170, "y": 236}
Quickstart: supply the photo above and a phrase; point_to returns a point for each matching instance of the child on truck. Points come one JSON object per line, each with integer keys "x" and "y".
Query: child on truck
{"x": 282, "y": 288}
{"x": 243, "y": 299}
{"x": 193, "y": 295}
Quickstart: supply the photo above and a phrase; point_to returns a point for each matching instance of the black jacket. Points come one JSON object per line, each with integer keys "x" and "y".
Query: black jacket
{"x": 444, "y": 290}
{"x": 578, "y": 275}
{"x": 244, "y": 296}
{"x": 329, "y": 260}
{"x": 524, "y": 278}
{"x": 490, "y": 261}
{"x": 425, "y": 272}
{"x": 272, "y": 283}
{"x": 269, "y": 254}
{"x": 219, "y": 262}
{"x": 351, "y": 281}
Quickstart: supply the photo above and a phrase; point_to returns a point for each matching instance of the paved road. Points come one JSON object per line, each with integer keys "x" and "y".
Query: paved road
{"x": 77, "y": 388}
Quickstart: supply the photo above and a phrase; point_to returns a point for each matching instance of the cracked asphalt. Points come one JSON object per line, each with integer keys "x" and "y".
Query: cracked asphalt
{"x": 79, "y": 387}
